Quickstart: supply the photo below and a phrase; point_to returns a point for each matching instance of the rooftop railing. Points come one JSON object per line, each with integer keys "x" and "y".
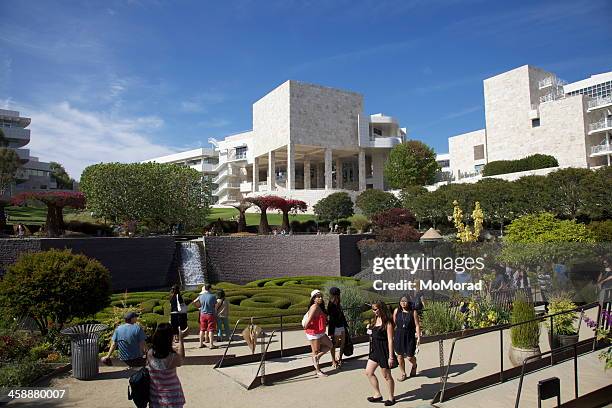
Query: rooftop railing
{"x": 595, "y": 103}
{"x": 602, "y": 124}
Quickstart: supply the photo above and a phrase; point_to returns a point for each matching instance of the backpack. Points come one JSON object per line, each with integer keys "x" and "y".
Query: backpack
{"x": 138, "y": 390}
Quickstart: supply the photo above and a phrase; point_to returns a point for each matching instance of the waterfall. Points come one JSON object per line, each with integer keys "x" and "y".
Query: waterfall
{"x": 190, "y": 267}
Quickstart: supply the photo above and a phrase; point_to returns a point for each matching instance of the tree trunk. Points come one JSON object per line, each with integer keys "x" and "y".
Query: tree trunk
{"x": 242, "y": 220}
{"x": 285, "y": 225}
{"x": 54, "y": 221}
{"x": 2, "y": 217}
{"x": 264, "y": 227}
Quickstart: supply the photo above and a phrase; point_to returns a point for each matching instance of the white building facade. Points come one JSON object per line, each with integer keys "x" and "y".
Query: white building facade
{"x": 307, "y": 142}
{"x": 33, "y": 175}
{"x": 528, "y": 111}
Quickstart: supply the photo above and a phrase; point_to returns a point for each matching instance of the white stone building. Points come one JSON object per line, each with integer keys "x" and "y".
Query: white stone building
{"x": 33, "y": 175}
{"x": 528, "y": 111}
{"x": 307, "y": 142}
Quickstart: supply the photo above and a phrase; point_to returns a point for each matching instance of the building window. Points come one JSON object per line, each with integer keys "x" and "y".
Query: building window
{"x": 444, "y": 163}
{"x": 478, "y": 168}
{"x": 479, "y": 152}
{"x": 376, "y": 132}
{"x": 241, "y": 152}
{"x": 535, "y": 122}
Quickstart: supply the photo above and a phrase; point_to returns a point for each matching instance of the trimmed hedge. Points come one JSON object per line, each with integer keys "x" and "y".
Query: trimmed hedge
{"x": 533, "y": 162}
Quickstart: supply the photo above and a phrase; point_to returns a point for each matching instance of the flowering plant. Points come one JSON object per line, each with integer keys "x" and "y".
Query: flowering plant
{"x": 604, "y": 335}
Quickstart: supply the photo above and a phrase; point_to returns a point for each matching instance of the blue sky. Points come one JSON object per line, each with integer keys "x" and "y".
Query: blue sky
{"x": 123, "y": 80}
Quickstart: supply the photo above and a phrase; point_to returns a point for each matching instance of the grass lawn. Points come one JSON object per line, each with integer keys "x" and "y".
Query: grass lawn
{"x": 36, "y": 216}
{"x": 253, "y": 218}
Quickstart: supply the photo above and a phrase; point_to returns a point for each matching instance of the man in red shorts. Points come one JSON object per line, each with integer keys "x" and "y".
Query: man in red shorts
{"x": 207, "y": 301}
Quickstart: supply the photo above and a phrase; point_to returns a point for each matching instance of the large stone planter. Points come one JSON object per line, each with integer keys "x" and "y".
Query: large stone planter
{"x": 567, "y": 339}
{"x": 518, "y": 355}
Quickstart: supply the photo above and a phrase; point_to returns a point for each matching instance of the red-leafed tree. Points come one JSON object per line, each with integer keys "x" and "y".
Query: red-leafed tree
{"x": 393, "y": 217}
{"x": 263, "y": 203}
{"x": 55, "y": 202}
{"x": 242, "y": 207}
{"x": 287, "y": 206}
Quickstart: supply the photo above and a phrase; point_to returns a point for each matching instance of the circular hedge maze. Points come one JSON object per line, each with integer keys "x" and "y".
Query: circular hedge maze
{"x": 261, "y": 299}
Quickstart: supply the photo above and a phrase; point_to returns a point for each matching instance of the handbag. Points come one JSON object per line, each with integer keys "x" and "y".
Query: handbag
{"x": 348, "y": 344}
{"x": 138, "y": 389}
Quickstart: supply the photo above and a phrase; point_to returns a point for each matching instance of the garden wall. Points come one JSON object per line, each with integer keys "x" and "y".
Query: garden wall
{"x": 134, "y": 263}
{"x": 245, "y": 259}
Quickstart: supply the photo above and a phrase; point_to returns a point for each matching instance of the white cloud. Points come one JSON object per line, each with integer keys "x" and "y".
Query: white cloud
{"x": 78, "y": 138}
{"x": 213, "y": 123}
{"x": 202, "y": 101}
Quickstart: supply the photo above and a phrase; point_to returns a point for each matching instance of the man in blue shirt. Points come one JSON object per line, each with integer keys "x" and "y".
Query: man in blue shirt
{"x": 129, "y": 338}
{"x": 207, "y": 302}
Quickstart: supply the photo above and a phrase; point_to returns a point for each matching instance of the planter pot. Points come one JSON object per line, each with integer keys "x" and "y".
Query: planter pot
{"x": 518, "y": 355}
{"x": 553, "y": 340}
{"x": 567, "y": 339}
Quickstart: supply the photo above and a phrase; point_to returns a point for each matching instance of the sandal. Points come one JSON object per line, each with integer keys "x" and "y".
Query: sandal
{"x": 413, "y": 371}
{"x": 388, "y": 403}
{"x": 404, "y": 377}
{"x": 321, "y": 374}
{"x": 375, "y": 399}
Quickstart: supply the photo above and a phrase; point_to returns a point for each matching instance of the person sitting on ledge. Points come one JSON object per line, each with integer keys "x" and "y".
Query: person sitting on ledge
{"x": 129, "y": 338}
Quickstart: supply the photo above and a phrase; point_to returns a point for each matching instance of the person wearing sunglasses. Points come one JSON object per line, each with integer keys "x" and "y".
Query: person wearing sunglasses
{"x": 407, "y": 336}
{"x": 315, "y": 324}
{"x": 381, "y": 352}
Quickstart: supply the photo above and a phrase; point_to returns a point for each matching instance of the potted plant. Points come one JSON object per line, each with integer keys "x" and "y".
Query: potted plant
{"x": 525, "y": 337}
{"x": 563, "y": 332}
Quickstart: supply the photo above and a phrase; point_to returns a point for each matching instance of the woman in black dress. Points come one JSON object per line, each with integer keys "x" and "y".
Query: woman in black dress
{"x": 337, "y": 326}
{"x": 178, "y": 311}
{"x": 381, "y": 352}
{"x": 407, "y": 326}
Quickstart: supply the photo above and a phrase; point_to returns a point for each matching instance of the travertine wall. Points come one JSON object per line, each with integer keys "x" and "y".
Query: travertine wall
{"x": 461, "y": 151}
{"x": 10, "y": 249}
{"x": 271, "y": 120}
{"x": 245, "y": 259}
{"x": 323, "y": 116}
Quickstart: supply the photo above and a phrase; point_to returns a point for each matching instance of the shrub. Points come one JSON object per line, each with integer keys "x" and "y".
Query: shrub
{"x": 334, "y": 207}
{"x": 440, "y": 318}
{"x": 602, "y": 230}
{"x": 533, "y": 162}
{"x": 353, "y": 300}
{"x": 393, "y": 217}
{"x": 360, "y": 223}
{"x": 21, "y": 373}
{"x": 374, "y": 201}
{"x": 402, "y": 233}
{"x": 525, "y": 335}
{"x": 89, "y": 228}
{"x": 54, "y": 287}
{"x": 563, "y": 323}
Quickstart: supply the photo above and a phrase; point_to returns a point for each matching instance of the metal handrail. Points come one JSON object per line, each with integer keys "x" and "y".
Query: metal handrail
{"x": 263, "y": 358}
{"x": 539, "y": 356}
{"x": 503, "y": 327}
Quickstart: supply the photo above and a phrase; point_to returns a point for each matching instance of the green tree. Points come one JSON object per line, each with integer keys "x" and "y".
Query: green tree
{"x": 408, "y": 194}
{"x": 532, "y": 195}
{"x": 597, "y": 190}
{"x": 429, "y": 207}
{"x": 569, "y": 197}
{"x": 9, "y": 164}
{"x": 496, "y": 198}
{"x": 61, "y": 177}
{"x": 411, "y": 163}
{"x": 334, "y": 207}
{"x": 373, "y": 201}
{"x": 54, "y": 287}
{"x": 159, "y": 195}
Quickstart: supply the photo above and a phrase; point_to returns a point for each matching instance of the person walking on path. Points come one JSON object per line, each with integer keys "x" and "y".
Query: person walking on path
{"x": 337, "y": 326}
{"x": 207, "y": 303}
{"x": 165, "y": 390}
{"x": 129, "y": 338}
{"x": 222, "y": 309}
{"x": 315, "y": 324}
{"x": 407, "y": 336}
{"x": 381, "y": 352}
{"x": 178, "y": 311}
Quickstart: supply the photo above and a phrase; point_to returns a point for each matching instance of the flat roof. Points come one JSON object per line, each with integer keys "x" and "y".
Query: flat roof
{"x": 585, "y": 83}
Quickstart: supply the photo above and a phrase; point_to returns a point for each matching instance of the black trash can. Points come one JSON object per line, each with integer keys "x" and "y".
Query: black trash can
{"x": 84, "y": 349}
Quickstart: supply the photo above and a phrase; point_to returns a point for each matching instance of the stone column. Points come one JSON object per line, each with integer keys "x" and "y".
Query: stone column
{"x": 271, "y": 171}
{"x": 255, "y": 185}
{"x": 338, "y": 173}
{"x": 290, "y": 166}
{"x": 306, "y": 174}
{"x": 319, "y": 175}
{"x": 328, "y": 169}
{"x": 362, "y": 170}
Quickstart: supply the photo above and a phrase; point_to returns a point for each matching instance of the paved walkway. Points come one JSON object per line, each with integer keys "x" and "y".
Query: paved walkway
{"x": 205, "y": 386}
